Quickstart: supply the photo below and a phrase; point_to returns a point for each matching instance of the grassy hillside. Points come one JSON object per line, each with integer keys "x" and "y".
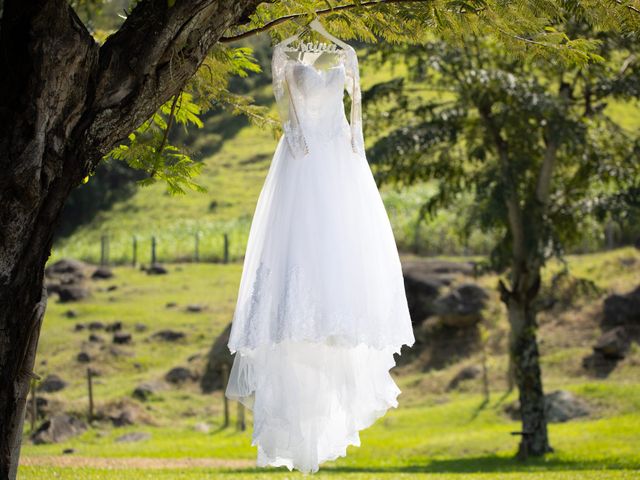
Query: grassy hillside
{"x": 434, "y": 434}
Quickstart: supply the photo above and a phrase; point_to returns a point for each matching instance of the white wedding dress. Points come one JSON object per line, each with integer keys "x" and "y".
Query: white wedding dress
{"x": 321, "y": 306}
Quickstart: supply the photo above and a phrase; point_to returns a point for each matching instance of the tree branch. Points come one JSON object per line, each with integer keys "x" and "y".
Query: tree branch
{"x": 325, "y": 11}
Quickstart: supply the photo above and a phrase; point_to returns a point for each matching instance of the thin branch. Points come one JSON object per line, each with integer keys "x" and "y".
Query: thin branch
{"x": 165, "y": 136}
{"x": 325, "y": 11}
{"x": 630, "y": 7}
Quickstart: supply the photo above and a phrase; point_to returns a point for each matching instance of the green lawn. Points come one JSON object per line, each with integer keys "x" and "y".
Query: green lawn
{"x": 434, "y": 434}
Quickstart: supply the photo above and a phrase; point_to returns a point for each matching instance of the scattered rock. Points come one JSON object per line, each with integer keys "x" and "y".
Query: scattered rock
{"x": 114, "y": 327}
{"x": 613, "y": 344}
{"x": 58, "y": 429}
{"x": 133, "y": 437}
{"x": 95, "y": 338}
{"x": 171, "y": 305}
{"x": 140, "y": 327}
{"x": 560, "y": 406}
{"x": 599, "y": 365}
{"x": 52, "y": 383}
{"x": 622, "y": 310}
{"x": 202, "y": 427}
{"x": 178, "y": 375}
{"x": 462, "y": 307}
{"x": 467, "y": 373}
{"x": 422, "y": 291}
{"x": 83, "y": 357}
{"x": 168, "y": 335}
{"x": 96, "y": 325}
{"x": 125, "y": 417}
{"x": 102, "y": 273}
{"x": 72, "y": 293}
{"x": 157, "y": 269}
{"x": 112, "y": 288}
{"x": 66, "y": 266}
{"x": 218, "y": 357}
{"x": 146, "y": 389}
{"x": 71, "y": 314}
{"x": 79, "y": 326}
{"x": 68, "y": 451}
{"x": 194, "y": 308}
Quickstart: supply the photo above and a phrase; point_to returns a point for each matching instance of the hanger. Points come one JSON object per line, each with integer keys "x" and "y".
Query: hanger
{"x": 313, "y": 47}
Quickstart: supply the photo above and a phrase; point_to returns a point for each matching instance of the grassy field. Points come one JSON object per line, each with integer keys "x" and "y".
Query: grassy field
{"x": 434, "y": 434}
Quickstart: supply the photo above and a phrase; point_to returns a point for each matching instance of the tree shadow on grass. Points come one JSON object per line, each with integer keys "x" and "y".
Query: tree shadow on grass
{"x": 479, "y": 464}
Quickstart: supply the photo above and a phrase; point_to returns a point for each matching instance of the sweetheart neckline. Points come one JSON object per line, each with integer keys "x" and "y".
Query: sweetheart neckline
{"x": 310, "y": 65}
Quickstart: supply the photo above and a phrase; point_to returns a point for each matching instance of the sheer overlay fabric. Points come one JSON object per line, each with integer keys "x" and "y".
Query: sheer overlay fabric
{"x": 321, "y": 305}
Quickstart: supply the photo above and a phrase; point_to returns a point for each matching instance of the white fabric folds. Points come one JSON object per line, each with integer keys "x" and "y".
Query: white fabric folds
{"x": 321, "y": 304}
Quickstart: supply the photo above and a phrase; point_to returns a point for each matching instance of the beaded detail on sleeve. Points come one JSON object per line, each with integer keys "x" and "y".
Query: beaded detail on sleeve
{"x": 353, "y": 89}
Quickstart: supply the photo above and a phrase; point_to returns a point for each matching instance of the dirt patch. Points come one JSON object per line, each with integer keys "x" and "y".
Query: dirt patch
{"x": 133, "y": 462}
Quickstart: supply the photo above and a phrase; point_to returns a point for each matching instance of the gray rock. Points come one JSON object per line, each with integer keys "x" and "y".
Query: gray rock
{"x": 599, "y": 365}
{"x": 68, "y": 451}
{"x": 140, "y": 327}
{"x": 462, "y": 307}
{"x": 614, "y": 344}
{"x": 202, "y": 427}
{"x": 71, "y": 314}
{"x": 79, "y": 326}
{"x": 122, "y": 338}
{"x": 178, "y": 375}
{"x": 95, "y": 338}
{"x": 218, "y": 358}
{"x": 67, "y": 266}
{"x": 622, "y": 310}
{"x": 145, "y": 390}
{"x": 114, "y": 326}
{"x": 102, "y": 273}
{"x": 560, "y": 406}
{"x": 58, "y": 429}
{"x": 168, "y": 335}
{"x": 83, "y": 357}
{"x": 72, "y": 293}
{"x": 194, "y": 308}
{"x": 467, "y": 373}
{"x": 52, "y": 383}
{"x": 157, "y": 269}
{"x": 133, "y": 437}
{"x": 96, "y": 325}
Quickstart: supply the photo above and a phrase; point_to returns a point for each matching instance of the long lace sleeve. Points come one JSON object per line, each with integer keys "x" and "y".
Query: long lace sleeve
{"x": 353, "y": 89}
{"x": 285, "y": 102}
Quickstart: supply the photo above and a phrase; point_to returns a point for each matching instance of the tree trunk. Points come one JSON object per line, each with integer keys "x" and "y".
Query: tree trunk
{"x": 526, "y": 368}
{"x": 64, "y": 103}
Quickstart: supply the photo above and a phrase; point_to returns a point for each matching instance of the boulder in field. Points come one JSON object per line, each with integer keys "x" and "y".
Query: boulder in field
{"x": 58, "y": 429}
{"x": 114, "y": 326}
{"x": 133, "y": 437}
{"x": 72, "y": 293}
{"x": 102, "y": 273}
{"x": 96, "y": 325}
{"x": 52, "y": 383}
{"x": 560, "y": 406}
{"x": 122, "y": 338}
{"x": 194, "y": 308}
{"x": 83, "y": 357}
{"x": 95, "y": 338}
{"x": 467, "y": 373}
{"x": 179, "y": 375}
{"x": 614, "y": 343}
{"x": 219, "y": 357}
{"x": 157, "y": 269}
{"x": 147, "y": 389}
{"x": 168, "y": 335}
{"x": 622, "y": 310}
{"x": 462, "y": 306}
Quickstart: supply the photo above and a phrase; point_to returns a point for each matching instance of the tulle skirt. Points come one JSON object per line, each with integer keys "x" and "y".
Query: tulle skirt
{"x": 321, "y": 308}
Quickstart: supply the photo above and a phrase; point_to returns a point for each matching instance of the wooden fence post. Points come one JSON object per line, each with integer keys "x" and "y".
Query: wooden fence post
{"x": 196, "y": 255}
{"x": 104, "y": 250}
{"x": 226, "y": 248}
{"x": 134, "y": 253}
{"x": 153, "y": 250}
{"x": 225, "y": 380}
{"x": 241, "y": 425}
{"x": 90, "y": 387}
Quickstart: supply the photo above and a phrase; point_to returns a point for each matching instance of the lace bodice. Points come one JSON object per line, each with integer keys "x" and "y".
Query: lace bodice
{"x": 310, "y": 100}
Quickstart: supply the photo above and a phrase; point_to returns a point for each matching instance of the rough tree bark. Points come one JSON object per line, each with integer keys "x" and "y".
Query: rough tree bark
{"x": 526, "y": 265}
{"x": 64, "y": 103}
